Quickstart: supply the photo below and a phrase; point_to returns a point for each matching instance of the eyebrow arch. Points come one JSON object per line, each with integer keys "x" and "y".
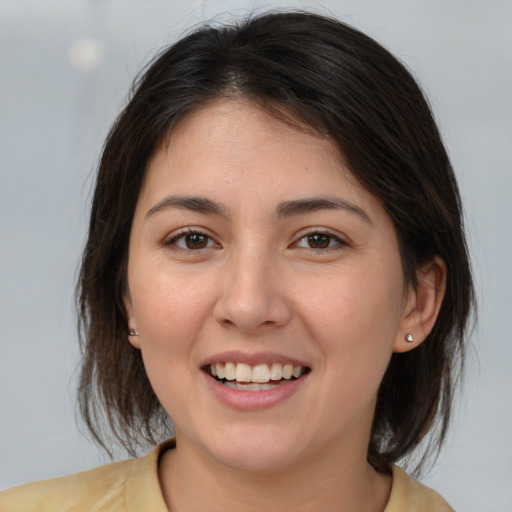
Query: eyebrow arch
{"x": 286, "y": 209}
{"x": 313, "y": 204}
{"x": 193, "y": 203}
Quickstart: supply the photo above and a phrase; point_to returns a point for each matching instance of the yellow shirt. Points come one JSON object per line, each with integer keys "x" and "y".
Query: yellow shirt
{"x": 133, "y": 486}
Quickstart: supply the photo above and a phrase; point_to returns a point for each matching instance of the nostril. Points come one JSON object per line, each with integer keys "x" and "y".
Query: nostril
{"x": 251, "y": 304}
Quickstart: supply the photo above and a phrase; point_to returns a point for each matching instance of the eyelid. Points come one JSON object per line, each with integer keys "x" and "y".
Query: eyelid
{"x": 339, "y": 238}
{"x": 170, "y": 239}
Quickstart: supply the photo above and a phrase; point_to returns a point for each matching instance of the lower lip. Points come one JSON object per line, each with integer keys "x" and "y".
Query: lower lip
{"x": 254, "y": 400}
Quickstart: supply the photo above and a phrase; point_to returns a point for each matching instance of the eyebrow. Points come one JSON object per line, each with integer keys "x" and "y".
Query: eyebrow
{"x": 286, "y": 209}
{"x": 313, "y": 204}
{"x": 192, "y": 203}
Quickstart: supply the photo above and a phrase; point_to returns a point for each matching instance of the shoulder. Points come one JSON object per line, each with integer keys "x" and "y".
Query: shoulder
{"x": 81, "y": 491}
{"x": 116, "y": 487}
{"x": 409, "y": 495}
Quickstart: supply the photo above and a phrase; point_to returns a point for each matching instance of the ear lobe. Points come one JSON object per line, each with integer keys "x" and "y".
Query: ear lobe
{"x": 133, "y": 335}
{"x": 422, "y": 306}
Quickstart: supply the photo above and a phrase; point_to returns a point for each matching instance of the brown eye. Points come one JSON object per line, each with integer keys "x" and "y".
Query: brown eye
{"x": 319, "y": 241}
{"x": 191, "y": 241}
{"x": 195, "y": 241}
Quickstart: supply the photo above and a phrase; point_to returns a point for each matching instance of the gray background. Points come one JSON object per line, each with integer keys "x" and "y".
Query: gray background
{"x": 57, "y": 101}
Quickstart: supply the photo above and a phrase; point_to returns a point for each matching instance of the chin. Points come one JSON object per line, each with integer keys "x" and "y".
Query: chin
{"x": 259, "y": 451}
{"x": 256, "y": 460}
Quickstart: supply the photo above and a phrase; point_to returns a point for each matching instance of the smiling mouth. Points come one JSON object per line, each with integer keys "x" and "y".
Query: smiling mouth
{"x": 260, "y": 377}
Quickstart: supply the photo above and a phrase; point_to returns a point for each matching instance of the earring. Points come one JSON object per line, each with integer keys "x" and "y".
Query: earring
{"x": 133, "y": 332}
{"x": 409, "y": 338}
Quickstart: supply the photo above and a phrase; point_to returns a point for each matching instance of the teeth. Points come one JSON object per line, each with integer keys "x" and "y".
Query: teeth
{"x": 230, "y": 371}
{"x": 250, "y": 387}
{"x": 258, "y": 374}
{"x": 287, "y": 371}
{"x": 276, "y": 371}
{"x": 243, "y": 372}
{"x": 220, "y": 370}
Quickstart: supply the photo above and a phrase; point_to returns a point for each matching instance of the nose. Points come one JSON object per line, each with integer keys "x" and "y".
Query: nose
{"x": 253, "y": 295}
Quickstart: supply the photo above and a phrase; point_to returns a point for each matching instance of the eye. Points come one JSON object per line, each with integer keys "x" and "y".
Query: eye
{"x": 191, "y": 241}
{"x": 318, "y": 240}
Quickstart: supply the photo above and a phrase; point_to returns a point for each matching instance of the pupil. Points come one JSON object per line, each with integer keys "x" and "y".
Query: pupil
{"x": 319, "y": 241}
{"x": 196, "y": 241}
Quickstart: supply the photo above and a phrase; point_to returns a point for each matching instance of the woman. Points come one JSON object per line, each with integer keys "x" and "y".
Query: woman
{"x": 276, "y": 261}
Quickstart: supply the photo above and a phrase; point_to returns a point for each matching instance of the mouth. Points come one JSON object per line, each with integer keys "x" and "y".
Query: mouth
{"x": 259, "y": 377}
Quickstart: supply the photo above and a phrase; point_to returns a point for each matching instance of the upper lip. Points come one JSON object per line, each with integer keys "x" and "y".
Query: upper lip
{"x": 252, "y": 359}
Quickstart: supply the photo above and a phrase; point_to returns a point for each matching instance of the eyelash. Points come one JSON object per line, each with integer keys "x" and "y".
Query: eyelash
{"x": 339, "y": 242}
{"x": 182, "y": 236}
{"x": 185, "y": 235}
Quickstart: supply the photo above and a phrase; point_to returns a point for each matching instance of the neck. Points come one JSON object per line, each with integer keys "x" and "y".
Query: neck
{"x": 192, "y": 481}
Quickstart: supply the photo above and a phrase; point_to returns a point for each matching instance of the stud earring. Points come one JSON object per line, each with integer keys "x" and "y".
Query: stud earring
{"x": 133, "y": 332}
{"x": 409, "y": 338}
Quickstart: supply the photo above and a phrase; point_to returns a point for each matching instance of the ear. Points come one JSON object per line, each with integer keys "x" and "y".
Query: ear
{"x": 132, "y": 324}
{"x": 422, "y": 305}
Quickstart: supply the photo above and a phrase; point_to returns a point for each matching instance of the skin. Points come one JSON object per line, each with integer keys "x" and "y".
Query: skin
{"x": 257, "y": 284}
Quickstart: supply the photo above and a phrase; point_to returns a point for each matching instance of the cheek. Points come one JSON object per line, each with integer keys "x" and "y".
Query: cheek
{"x": 354, "y": 328}
{"x": 355, "y": 319}
{"x": 169, "y": 311}
{"x": 356, "y": 301}
{"x": 168, "y": 314}
{"x": 164, "y": 297}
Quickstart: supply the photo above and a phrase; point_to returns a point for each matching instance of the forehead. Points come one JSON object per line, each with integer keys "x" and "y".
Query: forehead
{"x": 241, "y": 124}
{"x": 234, "y": 139}
{"x": 253, "y": 169}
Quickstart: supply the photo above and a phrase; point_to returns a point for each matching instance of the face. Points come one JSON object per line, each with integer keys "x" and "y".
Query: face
{"x": 267, "y": 289}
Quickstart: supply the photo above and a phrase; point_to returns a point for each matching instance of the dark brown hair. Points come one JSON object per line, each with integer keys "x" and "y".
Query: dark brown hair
{"x": 348, "y": 88}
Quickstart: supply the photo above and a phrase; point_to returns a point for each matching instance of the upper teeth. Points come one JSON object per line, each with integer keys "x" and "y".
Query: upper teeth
{"x": 242, "y": 372}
